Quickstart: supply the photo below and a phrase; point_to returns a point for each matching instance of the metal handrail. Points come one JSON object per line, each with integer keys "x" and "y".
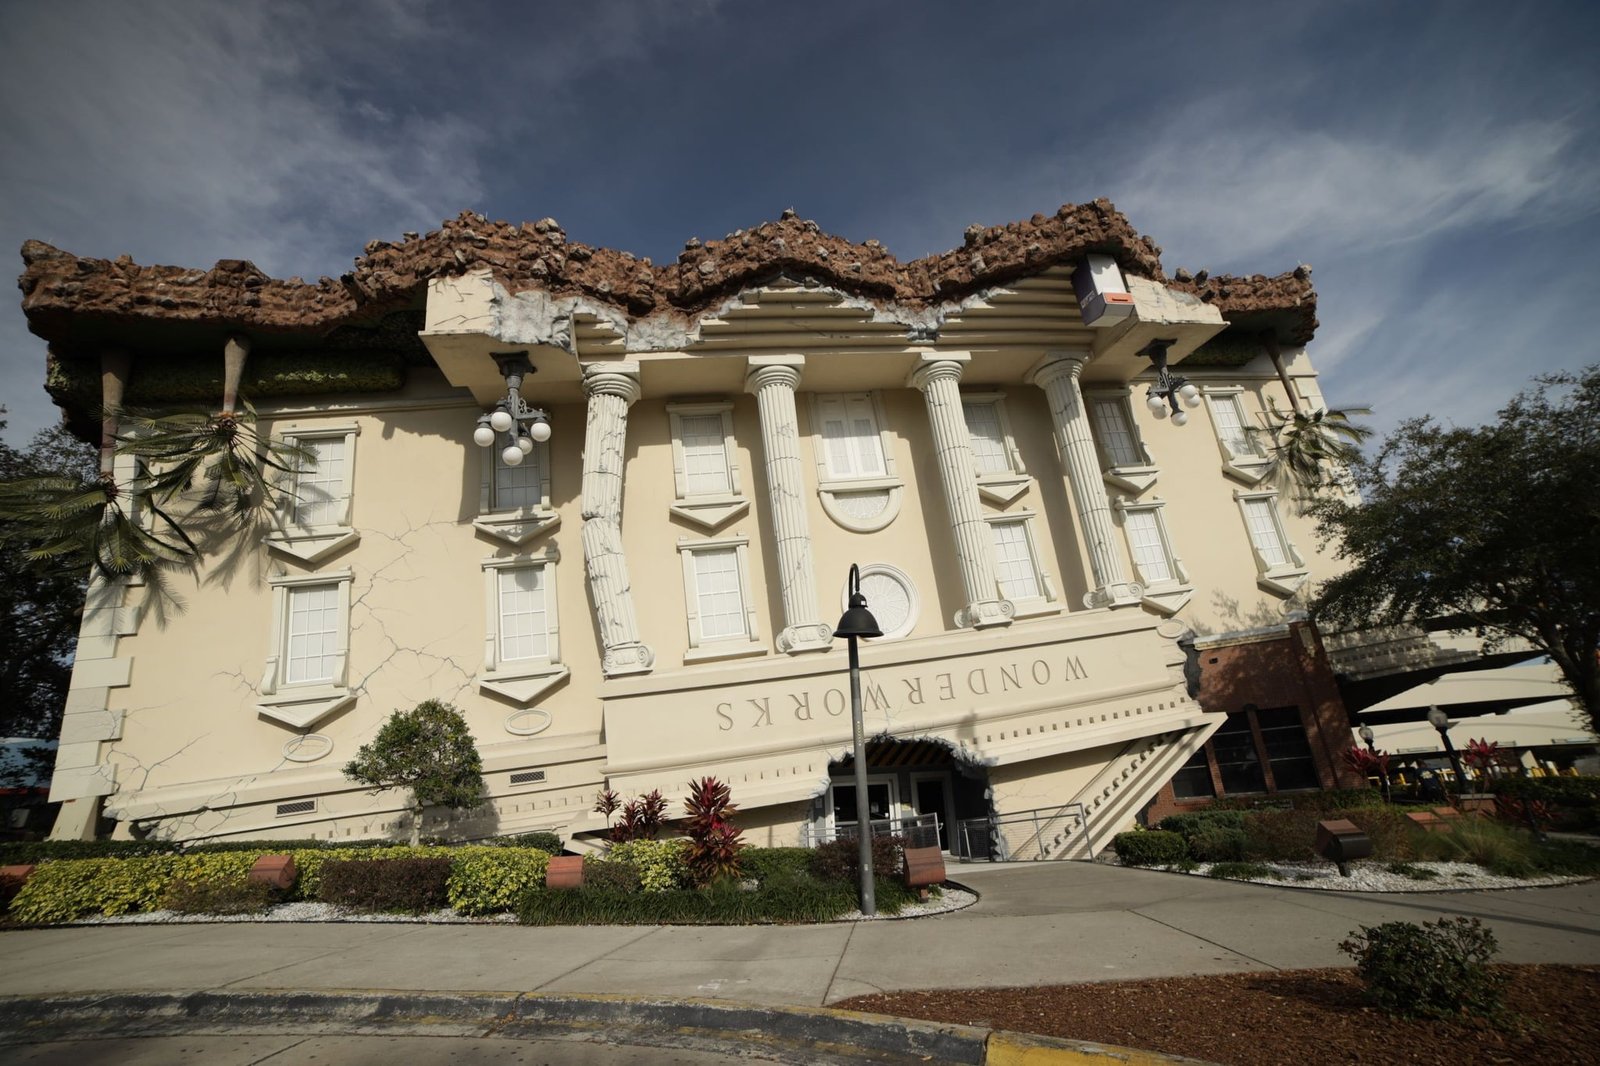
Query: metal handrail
{"x": 990, "y": 830}
{"x": 919, "y": 831}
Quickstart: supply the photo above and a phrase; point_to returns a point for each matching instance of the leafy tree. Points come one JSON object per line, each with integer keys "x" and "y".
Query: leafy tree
{"x": 1497, "y": 525}
{"x": 42, "y": 600}
{"x": 429, "y": 750}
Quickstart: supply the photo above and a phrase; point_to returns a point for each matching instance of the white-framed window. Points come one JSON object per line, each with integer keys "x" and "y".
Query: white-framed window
{"x": 1162, "y": 575}
{"x": 306, "y": 677}
{"x": 1001, "y": 475}
{"x": 705, "y": 465}
{"x": 1018, "y": 568}
{"x": 855, "y": 461}
{"x": 1124, "y": 461}
{"x": 891, "y": 597}
{"x": 514, "y": 501}
{"x": 522, "y": 640}
{"x": 313, "y": 519}
{"x": 717, "y": 600}
{"x": 1279, "y": 564}
{"x": 1243, "y": 454}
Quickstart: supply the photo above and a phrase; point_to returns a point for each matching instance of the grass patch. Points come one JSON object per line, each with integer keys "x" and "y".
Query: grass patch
{"x": 781, "y": 899}
{"x": 1416, "y": 873}
{"x": 1243, "y": 871}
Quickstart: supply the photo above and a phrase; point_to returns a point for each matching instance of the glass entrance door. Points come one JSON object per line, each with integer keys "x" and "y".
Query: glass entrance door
{"x": 880, "y": 801}
{"x": 929, "y": 795}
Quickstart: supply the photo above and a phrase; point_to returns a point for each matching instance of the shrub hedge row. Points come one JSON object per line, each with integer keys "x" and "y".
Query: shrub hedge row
{"x": 483, "y": 879}
{"x": 25, "y": 852}
{"x": 781, "y": 899}
{"x": 408, "y": 886}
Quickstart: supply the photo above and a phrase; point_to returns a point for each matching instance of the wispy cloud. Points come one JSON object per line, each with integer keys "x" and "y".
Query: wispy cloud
{"x": 1233, "y": 197}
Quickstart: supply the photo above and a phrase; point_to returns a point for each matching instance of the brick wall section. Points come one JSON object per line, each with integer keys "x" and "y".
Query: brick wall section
{"x": 1288, "y": 671}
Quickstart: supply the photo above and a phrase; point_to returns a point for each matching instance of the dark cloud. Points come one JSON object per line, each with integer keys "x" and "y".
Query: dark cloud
{"x": 1434, "y": 161}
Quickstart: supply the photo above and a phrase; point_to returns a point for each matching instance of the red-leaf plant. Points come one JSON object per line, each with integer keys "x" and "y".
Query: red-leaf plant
{"x": 714, "y": 843}
{"x": 1482, "y": 754}
{"x": 1367, "y": 763}
{"x": 607, "y": 802}
{"x": 641, "y": 819}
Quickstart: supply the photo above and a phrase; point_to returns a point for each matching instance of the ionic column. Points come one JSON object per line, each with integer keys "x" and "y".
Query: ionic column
{"x": 1057, "y": 374}
{"x": 939, "y": 379}
{"x": 611, "y": 389}
{"x": 773, "y": 380}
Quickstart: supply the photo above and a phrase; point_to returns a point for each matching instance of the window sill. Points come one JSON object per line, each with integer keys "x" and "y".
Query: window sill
{"x": 1168, "y": 597}
{"x": 522, "y": 684}
{"x": 713, "y": 652}
{"x": 709, "y": 511}
{"x": 1003, "y": 488}
{"x": 312, "y": 544}
{"x": 516, "y": 527}
{"x": 1037, "y": 607}
{"x": 1131, "y": 479}
{"x": 1249, "y": 469}
{"x": 1283, "y": 581}
{"x": 302, "y": 708}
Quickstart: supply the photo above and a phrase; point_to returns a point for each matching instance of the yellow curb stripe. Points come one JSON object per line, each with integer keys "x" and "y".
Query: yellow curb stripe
{"x": 1017, "y": 1049}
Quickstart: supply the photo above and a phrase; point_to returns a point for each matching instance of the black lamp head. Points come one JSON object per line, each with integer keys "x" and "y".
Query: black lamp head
{"x": 857, "y": 621}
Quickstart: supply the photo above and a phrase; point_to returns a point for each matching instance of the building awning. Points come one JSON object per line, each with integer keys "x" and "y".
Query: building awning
{"x": 1471, "y": 694}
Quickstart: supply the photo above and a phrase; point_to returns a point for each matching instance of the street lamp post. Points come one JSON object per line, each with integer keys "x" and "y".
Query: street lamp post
{"x": 1383, "y": 775}
{"x": 1441, "y": 721}
{"x": 857, "y": 622}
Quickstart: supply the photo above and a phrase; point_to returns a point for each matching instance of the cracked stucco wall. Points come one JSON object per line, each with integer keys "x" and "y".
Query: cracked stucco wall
{"x": 194, "y": 747}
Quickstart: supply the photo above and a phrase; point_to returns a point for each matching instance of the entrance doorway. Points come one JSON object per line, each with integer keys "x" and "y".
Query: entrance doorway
{"x": 930, "y": 794}
{"x": 911, "y": 785}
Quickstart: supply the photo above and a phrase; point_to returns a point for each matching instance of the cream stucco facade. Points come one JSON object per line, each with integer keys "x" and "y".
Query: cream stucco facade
{"x": 657, "y": 604}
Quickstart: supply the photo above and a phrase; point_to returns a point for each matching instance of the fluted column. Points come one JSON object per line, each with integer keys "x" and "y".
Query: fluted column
{"x": 1057, "y": 374}
{"x": 611, "y": 389}
{"x": 939, "y": 379}
{"x": 773, "y": 380}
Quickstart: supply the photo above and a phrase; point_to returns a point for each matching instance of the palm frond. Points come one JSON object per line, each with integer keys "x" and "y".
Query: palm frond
{"x": 1309, "y": 449}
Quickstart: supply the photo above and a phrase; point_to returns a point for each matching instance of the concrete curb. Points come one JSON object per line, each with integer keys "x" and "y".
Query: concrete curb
{"x": 791, "y": 1034}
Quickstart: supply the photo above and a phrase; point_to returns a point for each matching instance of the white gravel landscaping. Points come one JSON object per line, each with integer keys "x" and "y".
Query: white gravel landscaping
{"x": 1376, "y": 877}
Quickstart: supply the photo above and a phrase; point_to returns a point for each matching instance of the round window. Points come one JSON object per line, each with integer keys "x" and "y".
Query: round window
{"x": 891, "y": 597}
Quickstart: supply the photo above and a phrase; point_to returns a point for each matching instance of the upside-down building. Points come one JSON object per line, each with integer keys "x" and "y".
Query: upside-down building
{"x": 1087, "y": 609}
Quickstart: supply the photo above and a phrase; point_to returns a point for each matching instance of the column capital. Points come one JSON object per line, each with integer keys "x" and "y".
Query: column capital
{"x": 937, "y": 366}
{"x": 612, "y": 379}
{"x": 773, "y": 370}
{"x": 1056, "y": 362}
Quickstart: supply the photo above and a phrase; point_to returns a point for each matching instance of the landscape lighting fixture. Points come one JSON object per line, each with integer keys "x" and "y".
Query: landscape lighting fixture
{"x": 512, "y": 420}
{"x": 1169, "y": 388}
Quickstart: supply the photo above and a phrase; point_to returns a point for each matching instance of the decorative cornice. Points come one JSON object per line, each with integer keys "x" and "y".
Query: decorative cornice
{"x": 58, "y": 286}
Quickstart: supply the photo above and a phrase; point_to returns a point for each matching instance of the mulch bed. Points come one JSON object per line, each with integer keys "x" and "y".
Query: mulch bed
{"x": 1303, "y": 1017}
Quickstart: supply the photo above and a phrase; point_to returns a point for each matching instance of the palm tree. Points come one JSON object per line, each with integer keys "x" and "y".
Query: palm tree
{"x": 216, "y": 464}
{"x": 70, "y": 519}
{"x": 217, "y": 461}
{"x": 1309, "y": 449}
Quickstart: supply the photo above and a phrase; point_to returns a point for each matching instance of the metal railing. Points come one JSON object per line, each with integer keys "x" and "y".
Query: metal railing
{"x": 1024, "y": 836}
{"x": 919, "y": 831}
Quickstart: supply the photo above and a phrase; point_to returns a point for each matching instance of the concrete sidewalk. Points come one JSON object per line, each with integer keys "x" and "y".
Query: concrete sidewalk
{"x": 1035, "y": 924}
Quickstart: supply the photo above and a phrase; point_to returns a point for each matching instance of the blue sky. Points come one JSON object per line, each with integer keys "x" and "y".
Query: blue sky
{"x": 1436, "y": 163}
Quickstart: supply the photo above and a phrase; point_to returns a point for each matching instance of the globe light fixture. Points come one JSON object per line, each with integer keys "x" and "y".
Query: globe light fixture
{"x": 521, "y": 424}
{"x": 1170, "y": 390}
